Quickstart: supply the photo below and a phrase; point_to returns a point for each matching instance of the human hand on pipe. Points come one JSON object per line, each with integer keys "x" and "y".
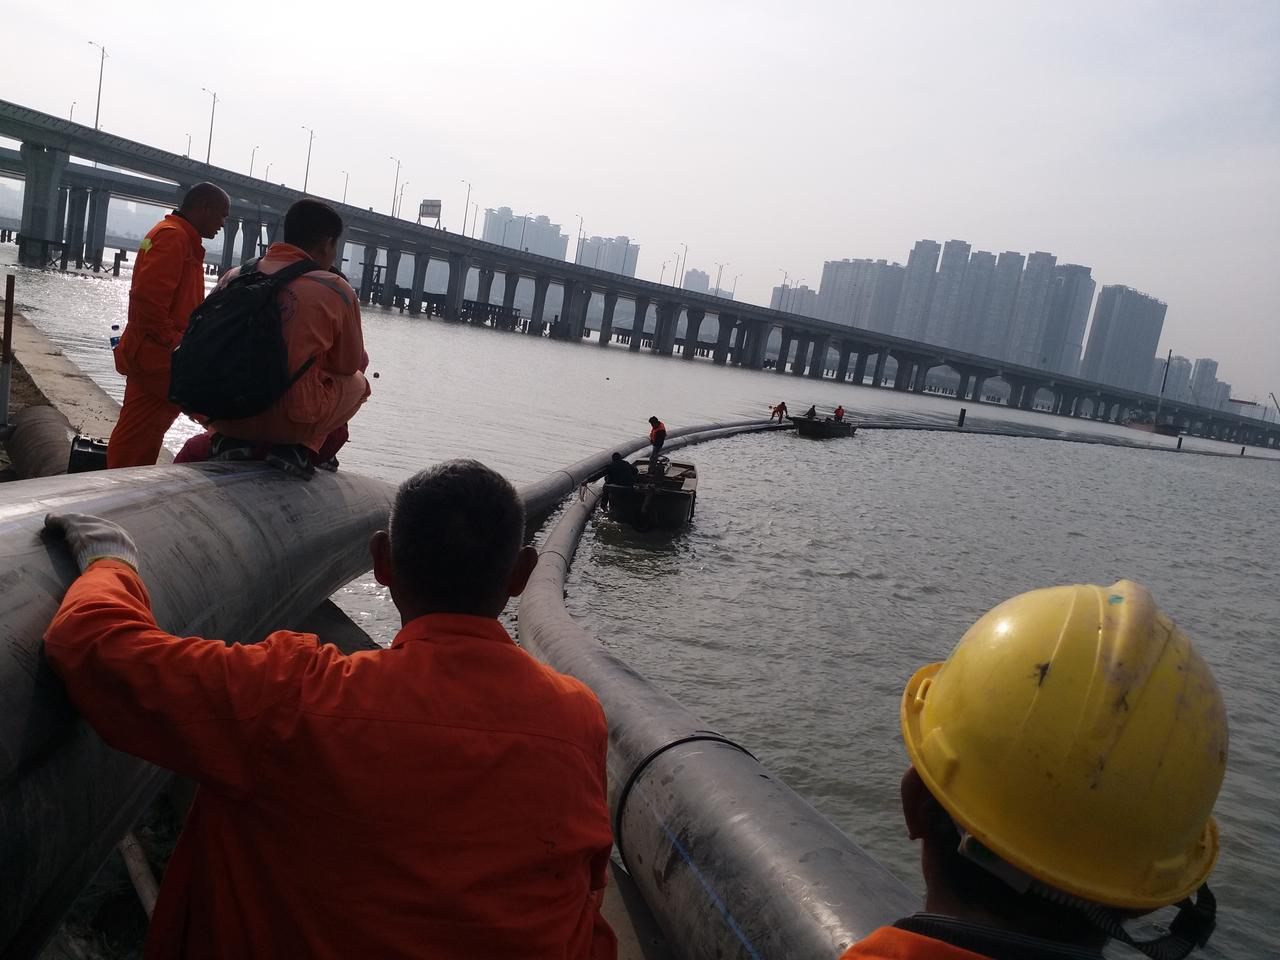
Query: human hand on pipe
{"x": 92, "y": 538}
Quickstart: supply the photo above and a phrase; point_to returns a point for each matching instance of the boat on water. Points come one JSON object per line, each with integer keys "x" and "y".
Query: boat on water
{"x": 1163, "y": 429}
{"x": 824, "y": 429}
{"x": 663, "y": 500}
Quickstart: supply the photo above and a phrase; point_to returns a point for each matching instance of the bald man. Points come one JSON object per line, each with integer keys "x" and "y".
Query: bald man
{"x": 168, "y": 283}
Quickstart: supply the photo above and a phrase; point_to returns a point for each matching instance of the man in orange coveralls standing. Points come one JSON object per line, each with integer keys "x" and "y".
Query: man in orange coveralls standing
{"x": 1064, "y": 765}
{"x": 168, "y": 283}
{"x": 443, "y": 798}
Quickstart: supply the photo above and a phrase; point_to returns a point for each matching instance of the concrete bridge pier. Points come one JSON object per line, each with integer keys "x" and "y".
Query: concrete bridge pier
{"x": 694, "y": 317}
{"x": 570, "y": 304}
{"x": 921, "y": 376}
{"x": 77, "y": 210}
{"x": 877, "y": 375}
{"x": 664, "y": 337}
{"x": 366, "y": 273}
{"x": 578, "y": 328}
{"x": 906, "y": 368}
{"x": 860, "y": 366}
{"x": 842, "y": 365}
{"x": 418, "y": 285}
{"x": 784, "y": 351}
{"x": 724, "y": 335}
{"x": 536, "y": 323}
{"x": 95, "y": 242}
{"x": 43, "y": 168}
{"x": 484, "y": 287}
{"x": 962, "y": 389}
{"x": 606, "y": 319}
{"x": 639, "y": 318}
{"x": 801, "y": 362}
{"x": 459, "y": 267}
{"x": 510, "y": 284}
{"x": 228, "y": 245}
{"x": 818, "y": 360}
{"x": 388, "y": 297}
{"x": 250, "y": 237}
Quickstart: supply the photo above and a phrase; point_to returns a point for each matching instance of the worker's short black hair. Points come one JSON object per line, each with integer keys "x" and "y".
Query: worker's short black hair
{"x": 456, "y": 530}
{"x": 203, "y": 194}
{"x": 310, "y": 222}
{"x": 617, "y": 455}
{"x": 655, "y": 421}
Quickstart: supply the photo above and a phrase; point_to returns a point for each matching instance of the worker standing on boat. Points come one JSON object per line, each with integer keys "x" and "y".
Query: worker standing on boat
{"x": 780, "y": 411}
{"x": 658, "y": 438}
{"x": 812, "y": 412}
{"x": 168, "y": 283}
{"x": 1064, "y": 765}
{"x": 444, "y": 798}
{"x": 838, "y": 414}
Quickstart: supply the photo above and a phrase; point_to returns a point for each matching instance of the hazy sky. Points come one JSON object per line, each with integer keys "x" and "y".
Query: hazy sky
{"x": 1140, "y": 138}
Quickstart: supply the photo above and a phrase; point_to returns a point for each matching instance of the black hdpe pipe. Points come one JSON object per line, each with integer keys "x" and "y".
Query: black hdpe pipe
{"x": 730, "y": 860}
{"x": 231, "y": 551}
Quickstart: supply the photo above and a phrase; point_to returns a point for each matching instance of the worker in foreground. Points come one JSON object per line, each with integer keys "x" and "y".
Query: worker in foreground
{"x": 1064, "y": 765}
{"x": 443, "y": 798}
{"x": 167, "y": 285}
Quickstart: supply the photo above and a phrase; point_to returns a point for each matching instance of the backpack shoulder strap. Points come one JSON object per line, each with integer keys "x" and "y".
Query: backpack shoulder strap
{"x": 293, "y": 271}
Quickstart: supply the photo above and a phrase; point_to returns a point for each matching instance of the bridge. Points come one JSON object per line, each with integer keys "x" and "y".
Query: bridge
{"x": 64, "y": 214}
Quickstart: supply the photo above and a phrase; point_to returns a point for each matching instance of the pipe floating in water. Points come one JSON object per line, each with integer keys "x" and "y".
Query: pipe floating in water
{"x": 230, "y": 551}
{"x": 730, "y": 860}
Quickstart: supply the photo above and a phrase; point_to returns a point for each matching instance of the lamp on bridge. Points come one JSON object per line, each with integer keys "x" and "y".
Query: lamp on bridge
{"x": 306, "y": 177}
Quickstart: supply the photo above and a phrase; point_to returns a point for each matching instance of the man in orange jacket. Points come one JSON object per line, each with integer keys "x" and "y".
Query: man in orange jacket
{"x": 321, "y": 323}
{"x": 1064, "y": 765}
{"x": 443, "y": 798}
{"x": 168, "y": 283}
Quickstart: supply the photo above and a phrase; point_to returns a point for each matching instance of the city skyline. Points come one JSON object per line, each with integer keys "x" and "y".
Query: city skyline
{"x": 1139, "y": 140}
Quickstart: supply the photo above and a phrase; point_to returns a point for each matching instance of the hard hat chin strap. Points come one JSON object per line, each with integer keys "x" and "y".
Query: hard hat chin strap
{"x": 1191, "y": 927}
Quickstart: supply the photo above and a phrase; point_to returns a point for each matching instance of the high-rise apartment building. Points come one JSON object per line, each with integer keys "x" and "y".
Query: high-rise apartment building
{"x": 885, "y": 297}
{"x": 1070, "y": 297}
{"x": 1222, "y": 396}
{"x": 995, "y": 330}
{"x": 917, "y": 290}
{"x": 1177, "y": 385}
{"x": 1123, "y": 337}
{"x": 1031, "y": 310}
{"x": 852, "y": 290}
{"x": 974, "y": 301}
{"x": 615, "y": 254}
{"x": 528, "y": 233}
{"x": 697, "y": 281}
{"x": 1204, "y": 382}
{"x": 944, "y": 307}
{"x": 791, "y": 299}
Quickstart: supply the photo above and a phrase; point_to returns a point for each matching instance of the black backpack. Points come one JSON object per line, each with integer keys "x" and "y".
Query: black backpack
{"x": 233, "y": 362}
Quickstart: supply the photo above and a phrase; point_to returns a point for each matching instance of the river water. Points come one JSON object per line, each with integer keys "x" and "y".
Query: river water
{"x": 817, "y": 576}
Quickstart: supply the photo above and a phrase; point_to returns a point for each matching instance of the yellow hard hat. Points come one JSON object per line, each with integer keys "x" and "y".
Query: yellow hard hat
{"x": 1076, "y": 733}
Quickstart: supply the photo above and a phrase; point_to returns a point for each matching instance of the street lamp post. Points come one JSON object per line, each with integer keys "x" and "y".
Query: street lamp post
{"x": 791, "y": 301}
{"x": 782, "y": 291}
{"x": 395, "y": 188}
{"x": 72, "y": 118}
{"x": 466, "y": 206}
{"x": 346, "y": 180}
{"x": 735, "y": 287}
{"x": 525, "y": 218}
{"x": 718, "y": 273}
{"x": 625, "y": 250}
{"x": 188, "y": 153}
{"x": 400, "y": 199}
{"x": 475, "y": 215}
{"x": 306, "y": 176}
{"x": 102, "y": 61}
{"x": 662, "y": 273}
{"x": 252, "y": 157}
{"x": 684, "y": 262}
{"x": 577, "y": 257}
{"x": 267, "y": 173}
{"x": 208, "y": 152}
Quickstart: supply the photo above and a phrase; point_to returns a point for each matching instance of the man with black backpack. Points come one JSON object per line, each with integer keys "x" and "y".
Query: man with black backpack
{"x": 274, "y": 357}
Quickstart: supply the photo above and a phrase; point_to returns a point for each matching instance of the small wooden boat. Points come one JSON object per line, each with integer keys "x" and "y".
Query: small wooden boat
{"x": 1163, "y": 429}
{"x": 823, "y": 429}
{"x": 661, "y": 502}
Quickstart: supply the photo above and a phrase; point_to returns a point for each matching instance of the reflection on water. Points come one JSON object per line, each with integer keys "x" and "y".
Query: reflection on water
{"x": 817, "y": 575}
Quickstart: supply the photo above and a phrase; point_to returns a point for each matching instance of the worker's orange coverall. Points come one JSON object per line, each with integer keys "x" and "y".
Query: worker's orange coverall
{"x": 322, "y": 320}
{"x": 444, "y": 798}
{"x": 891, "y": 943}
{"x": 168, "y": 283}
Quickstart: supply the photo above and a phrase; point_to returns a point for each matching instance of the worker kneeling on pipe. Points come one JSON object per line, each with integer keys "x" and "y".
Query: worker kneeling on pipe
{"x": 1064, "y": 765}
{"x": 442, "y": 798}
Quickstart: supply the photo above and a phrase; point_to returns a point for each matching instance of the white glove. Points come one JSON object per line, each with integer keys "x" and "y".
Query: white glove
{"x": 92, "y": 538}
